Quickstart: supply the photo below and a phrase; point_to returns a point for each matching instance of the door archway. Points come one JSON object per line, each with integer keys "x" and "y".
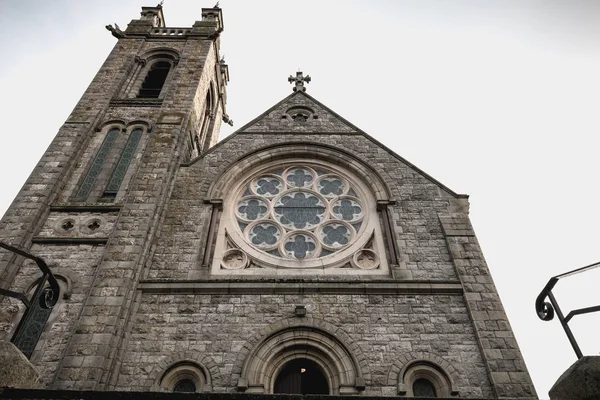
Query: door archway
{"x": 301, "y": 376}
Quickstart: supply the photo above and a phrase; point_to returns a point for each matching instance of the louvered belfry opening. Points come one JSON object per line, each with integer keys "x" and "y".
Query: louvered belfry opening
{"x": 155, "y": 80}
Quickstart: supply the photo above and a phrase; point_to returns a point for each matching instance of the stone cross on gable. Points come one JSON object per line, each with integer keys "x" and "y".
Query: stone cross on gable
{"x": 299, "y": 80}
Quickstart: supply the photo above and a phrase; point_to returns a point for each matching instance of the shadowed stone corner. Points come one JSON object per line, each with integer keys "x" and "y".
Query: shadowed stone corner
{"x": 580, "y": 382}
{"x": 15, "y": 369}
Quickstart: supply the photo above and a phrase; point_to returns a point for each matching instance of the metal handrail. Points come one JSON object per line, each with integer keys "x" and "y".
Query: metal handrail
{"x": 50, "y": 294}
{"x": 546, "y": 311}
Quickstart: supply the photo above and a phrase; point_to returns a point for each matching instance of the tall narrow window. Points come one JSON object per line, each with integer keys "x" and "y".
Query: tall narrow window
{"x": 206, "y": 122}
{"x": 153, "y": 84}
{"x": 123, "y": 164}
{"x": 97, "y": 164}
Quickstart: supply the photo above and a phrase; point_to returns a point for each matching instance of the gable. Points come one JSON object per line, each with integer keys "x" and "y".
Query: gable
{"x": 300, "y": 113}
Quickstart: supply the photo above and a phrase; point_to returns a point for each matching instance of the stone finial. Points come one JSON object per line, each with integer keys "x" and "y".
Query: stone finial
{"x": 299, "y": 80}
{"x": 154, "y": 15}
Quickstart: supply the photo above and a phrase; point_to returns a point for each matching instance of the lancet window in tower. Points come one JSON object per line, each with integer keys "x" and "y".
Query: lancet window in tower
{"x": 108, "y": 170}
{"x": 155, "y": 80}
{"x": 90, "y": 178}
{"x": 127, "y": 154}
{"x": 205, "y": 126}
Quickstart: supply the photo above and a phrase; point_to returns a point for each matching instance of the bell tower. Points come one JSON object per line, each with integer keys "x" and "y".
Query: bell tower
{"x": 92, "y": 206}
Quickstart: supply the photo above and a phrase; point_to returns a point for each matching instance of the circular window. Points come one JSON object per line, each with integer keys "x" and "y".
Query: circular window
{"x": 301, "y": 212}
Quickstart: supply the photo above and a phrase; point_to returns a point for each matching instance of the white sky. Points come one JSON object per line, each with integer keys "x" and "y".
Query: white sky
{"x": 497, "y": 99}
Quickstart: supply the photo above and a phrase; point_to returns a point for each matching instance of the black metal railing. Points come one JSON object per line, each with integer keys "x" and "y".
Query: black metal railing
{"x": 547, "y": 310}
{"x": 38, "y": 308}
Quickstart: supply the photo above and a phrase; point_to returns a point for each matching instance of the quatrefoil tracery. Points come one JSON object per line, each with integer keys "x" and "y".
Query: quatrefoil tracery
{"x": 299, "y": 213}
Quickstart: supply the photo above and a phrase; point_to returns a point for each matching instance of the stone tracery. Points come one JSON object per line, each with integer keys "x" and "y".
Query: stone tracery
{"x": 300, "y": 212}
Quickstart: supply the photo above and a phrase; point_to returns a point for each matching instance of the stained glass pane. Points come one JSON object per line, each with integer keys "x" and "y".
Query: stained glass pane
{"x": 126, "y": 156}
{"x": 264, "y": 235}
{"x": 300, "y": 246}
{"x": 325, "y": 252}
{"x": 268, "y": 186}
{"x": 347, "y": 209}
{"x": 299, "y": 177}
{"x": 300, "y": 210}
{"x": 31, "y": 327}
{"x": 331, "y": 186}
{"x": 310, "y": 207}
{"x": 274, "y": 252}
{"x": 97, "y": 164}
{"x": 336, "y": 235}
{"x": 252, "y": 209}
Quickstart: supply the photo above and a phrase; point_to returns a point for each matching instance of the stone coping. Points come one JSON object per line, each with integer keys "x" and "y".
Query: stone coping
{"x": 42, "y": 394}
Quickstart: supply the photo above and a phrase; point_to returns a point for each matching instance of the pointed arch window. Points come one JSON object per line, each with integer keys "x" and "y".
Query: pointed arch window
{"x": 127, "y": 154}
{"x": 97, "y": 165}
{"x": 149, "y": 76}
{"x": 110, "y": 165}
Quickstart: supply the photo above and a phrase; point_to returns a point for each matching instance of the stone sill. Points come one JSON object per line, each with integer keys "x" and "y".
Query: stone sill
{"x": 67, "y": 241}
{"x": 141, "y": 102}
{"x": 283, "y": 287}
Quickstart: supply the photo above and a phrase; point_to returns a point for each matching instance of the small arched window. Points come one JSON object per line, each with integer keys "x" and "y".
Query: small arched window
{"x": 185, "y": 386}
{"x": 423, "y": 387}
{"x": 425, "y": 379}
{"x": 184, "y": 377}
{"x": 154, "y": 80}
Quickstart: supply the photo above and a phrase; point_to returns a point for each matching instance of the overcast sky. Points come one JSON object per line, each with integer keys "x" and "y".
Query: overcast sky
{"x": 496, "y": 99}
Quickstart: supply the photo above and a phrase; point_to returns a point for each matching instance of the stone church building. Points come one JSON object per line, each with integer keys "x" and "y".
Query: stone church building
{"x": 298, "y": 255}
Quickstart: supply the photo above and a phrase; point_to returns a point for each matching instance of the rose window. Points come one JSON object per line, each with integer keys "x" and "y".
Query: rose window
{"x": 299, "y": 213}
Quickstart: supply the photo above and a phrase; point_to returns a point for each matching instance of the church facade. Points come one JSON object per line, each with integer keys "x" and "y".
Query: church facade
{"x": 298, "y": 255}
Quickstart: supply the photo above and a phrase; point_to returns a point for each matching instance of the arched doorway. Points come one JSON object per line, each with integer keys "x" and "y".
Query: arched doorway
{"x": 301, "y": 376}
{"x": 314, "y": 349}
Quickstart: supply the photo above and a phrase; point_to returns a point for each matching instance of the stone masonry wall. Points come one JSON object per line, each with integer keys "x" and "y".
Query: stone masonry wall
{"x": 75, "y": 263}
{"x": 84, "y": 350}
{"x": 422, "y": 246}
{"x": 91, "y": 365}
{"x": 508, "y": 372}
{"x": 385, "y": 327}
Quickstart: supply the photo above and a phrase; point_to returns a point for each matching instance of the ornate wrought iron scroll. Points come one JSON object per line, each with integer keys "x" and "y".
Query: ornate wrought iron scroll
{"x": 38, "y": 309}
{"x": 546, "y": 310}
